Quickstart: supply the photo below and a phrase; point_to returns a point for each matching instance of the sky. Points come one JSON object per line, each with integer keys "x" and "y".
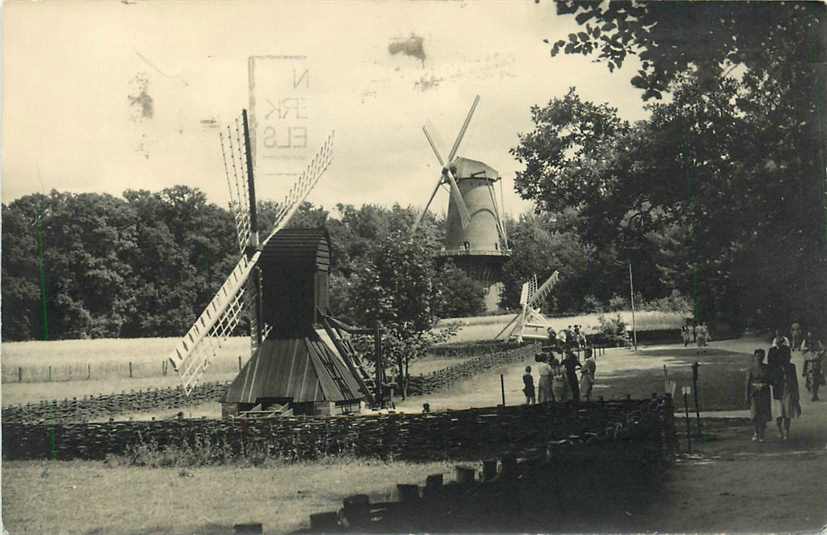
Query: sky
{"x": 105, "y": 96}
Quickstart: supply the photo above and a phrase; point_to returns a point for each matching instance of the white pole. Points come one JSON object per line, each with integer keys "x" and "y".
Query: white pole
{"x": 632, "y": 295}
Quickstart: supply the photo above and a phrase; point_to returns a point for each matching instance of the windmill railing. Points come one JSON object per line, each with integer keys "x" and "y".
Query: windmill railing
{"x": 460, "y": 251}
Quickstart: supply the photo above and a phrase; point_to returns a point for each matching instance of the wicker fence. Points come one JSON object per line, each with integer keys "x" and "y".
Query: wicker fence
{"x": 469, "y": 434}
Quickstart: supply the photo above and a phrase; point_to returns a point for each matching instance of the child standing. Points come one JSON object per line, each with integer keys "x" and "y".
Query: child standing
{"x": 528, "y": 387}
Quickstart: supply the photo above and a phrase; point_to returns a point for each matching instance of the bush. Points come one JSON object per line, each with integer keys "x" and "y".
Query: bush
{"x": 612, "y": 330}
{"x": 618, "y": 303}
{"x": 675, "y": 302}
{"x": 592, "y": 304}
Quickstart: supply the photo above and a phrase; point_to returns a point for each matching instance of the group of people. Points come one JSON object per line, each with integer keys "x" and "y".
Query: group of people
{"x": 570, "y": 337}
{"x": 558, "y": 377}
{"x": 695, "y": 333}
{"x": 772, "y": 387}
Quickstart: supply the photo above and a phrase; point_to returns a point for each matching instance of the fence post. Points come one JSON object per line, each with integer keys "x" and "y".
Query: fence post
{"x": 88, "y": 371}
{"x": 50, "y": 373}
{"x": 130, "y": 369}
{"x": 239, "y": 363}
{"x": 19, "y": 374}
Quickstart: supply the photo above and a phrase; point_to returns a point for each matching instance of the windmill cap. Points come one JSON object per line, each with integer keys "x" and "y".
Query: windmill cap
{"x": 468, "y": 168}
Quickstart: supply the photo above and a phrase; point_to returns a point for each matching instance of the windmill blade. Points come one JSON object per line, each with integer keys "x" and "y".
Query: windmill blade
{"x": 303, "y": 186}
{"x": 235, "y": 170}
{"x": 216, "y": 323}
{"x": 427, "y": 205}
{"x": 462, "y": 130}
{"x": 456, "y": 194}
{"x": 543, "y": 290}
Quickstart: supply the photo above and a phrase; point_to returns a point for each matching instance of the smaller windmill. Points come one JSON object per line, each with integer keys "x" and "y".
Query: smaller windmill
{"x": 530, "y": 322}
{"x": 475, "y": 236}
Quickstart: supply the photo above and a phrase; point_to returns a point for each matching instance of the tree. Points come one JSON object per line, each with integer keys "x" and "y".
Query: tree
{"x": 396, "y": 287}
{"x": 462, "y": 296}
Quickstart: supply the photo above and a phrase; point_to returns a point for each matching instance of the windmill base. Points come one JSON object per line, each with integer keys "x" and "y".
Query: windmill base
{"x": 269, "y": 408}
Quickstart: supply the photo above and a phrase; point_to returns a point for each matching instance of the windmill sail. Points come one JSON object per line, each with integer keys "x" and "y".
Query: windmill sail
{"x": 217, "y": 322}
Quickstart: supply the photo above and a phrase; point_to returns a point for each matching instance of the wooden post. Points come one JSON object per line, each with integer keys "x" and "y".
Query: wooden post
{"x": 88, "y": 371}
{"x": 50, "y": 373}
{"x": 19, "y": 374}
{"x": 502, "y": 387}
{"x": 695, "y": 367}
{"x": 632, "y": 295}
{"x": 380, "y": 372}
{"x": 686, "y": 413}
{"x": 130, "y": 369}
{"x": 239, "y": 363}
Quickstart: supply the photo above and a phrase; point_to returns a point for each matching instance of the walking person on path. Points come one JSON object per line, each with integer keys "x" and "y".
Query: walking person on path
{"x": 544, "y": 383}
{"x": 758, "y": 395}
{"x": 587, "y": 374}
{"x": 795, "y": 334}
{"x": 780, "y": 340}
{"x": 559, "y": 381}
{"x": 786, "y": 405}
{"x": 813, "y": 371}
{"x": 528, "y": 387}
{"x": 570, "y": 363}
{"x": 702, "y": 336}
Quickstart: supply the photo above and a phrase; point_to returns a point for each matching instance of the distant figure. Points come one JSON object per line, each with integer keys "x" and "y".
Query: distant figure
{"x": 561, "y": 338}
{"x": 813, "y": 370}
{"x": 587, "y": 375}
{"x": 528, "y": 387}
{"x": 686, "y": 334}
{"x": 758, "y": 395}
{"x": 795, "y": 334}
{"x": 780, "y": 340}
{"x": 785, "y": 401}
{"x": 559, "y": 381}
{"x": 426, "y": 408}
{"x": 702, "y": 336}
{"x": 544, "y": 383}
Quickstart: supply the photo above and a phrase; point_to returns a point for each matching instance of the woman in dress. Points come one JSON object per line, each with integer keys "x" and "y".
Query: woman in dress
{"x": 544, "y": 385}
{"x": 785, "y": 401}
{"x": 758, "y": 395}
{"x": 587, "y": 374}
{"x": 559, "y": 381}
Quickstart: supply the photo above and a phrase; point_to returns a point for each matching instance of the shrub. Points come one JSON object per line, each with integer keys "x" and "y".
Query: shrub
{"x": 592, "y": 304}
{"x": 618, "y": 303}
{"x": 612, "y": 330}
{"x": 675, "y": 302}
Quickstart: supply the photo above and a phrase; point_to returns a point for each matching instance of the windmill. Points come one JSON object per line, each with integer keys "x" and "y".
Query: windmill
{"x": 280, "y": 283}
{"x": 530, "y": 322}
{"x": 475, "y": 235}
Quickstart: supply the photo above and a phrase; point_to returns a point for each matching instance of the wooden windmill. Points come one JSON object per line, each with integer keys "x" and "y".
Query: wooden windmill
{"x": 281, "y": 284}
{"x": 530, "y": 322}
{"x": 475, "y": 235}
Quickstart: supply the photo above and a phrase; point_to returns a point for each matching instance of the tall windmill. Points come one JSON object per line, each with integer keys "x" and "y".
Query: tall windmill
{"x": 280, "y": 283}
{"x": 475, "y": 237}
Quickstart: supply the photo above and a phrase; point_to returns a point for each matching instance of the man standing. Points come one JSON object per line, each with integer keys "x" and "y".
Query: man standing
{"x": 571, "y": 364}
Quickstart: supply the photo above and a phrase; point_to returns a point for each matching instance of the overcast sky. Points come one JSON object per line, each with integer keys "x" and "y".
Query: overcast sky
{"x": 109, "y": 95}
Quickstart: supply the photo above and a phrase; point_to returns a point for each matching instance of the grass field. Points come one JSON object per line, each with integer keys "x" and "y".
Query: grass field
{"x": 89, "y": 497}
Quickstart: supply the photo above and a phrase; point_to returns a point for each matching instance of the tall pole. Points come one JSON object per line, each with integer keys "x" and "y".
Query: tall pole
{"x": 253, "y": 245}
{"x": 380, "y": 369}
{"x": 42, "y": 269}
{"x": 632, "y": 295}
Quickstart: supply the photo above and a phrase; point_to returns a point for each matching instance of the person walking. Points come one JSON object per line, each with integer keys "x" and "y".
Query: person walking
{"x": 686, "y": 334}
{"x": 587, "y": 375}
{"x": 544, "y": 384}
{"x": 780, "y": 340}
{"x": 758, "y": 395}
{"x": 795, "y": 334}
{"x": 786, "y": 405}
{"x": 559, "y": 381}
{"x": 528, "y": 387}
{"x": 813, "y": 370}
{"x": 702, "y": 336}
{"x": 570, "y": 363}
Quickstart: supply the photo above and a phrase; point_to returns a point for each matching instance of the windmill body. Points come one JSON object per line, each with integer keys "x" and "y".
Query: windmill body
{"x": 301, "y": 360}
{"x": 475, "y": 237}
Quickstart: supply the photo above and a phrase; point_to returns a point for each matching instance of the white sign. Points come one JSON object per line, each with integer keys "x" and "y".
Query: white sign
{"x": 283, "y": 127}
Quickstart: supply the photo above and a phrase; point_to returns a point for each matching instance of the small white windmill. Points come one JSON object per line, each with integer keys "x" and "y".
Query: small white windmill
{"x": 530, "y": 322}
